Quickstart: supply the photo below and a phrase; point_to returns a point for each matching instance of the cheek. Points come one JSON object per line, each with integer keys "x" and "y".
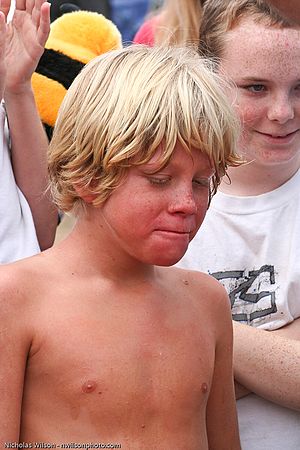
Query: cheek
{"x": 202, "y": 208}
{"x": 201, "y": 213}
{"x": 132, "y": 213}
{"x": 250, "y": 112}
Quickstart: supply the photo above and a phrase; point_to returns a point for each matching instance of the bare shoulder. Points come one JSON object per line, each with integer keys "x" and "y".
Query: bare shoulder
{"x": 205, "y": 292}
{"x": 20, "y": 282}
{"x": 199, "y": 282}
{"x": 15, "y": 311}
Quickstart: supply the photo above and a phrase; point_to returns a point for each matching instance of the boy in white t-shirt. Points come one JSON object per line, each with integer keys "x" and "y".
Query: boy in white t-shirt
{"x": 250, "y": 238}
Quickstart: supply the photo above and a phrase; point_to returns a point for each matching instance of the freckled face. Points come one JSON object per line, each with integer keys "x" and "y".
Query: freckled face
{"x": 153, "y": 216}
{"x": 264, "y": 62}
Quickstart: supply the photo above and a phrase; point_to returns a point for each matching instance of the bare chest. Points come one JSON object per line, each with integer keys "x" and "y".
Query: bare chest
{"x": 122, "y": 369}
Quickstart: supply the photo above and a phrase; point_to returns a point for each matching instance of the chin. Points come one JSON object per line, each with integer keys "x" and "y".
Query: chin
{"x": 164, "y": 255}
{"x": 167, "y": 261}
{"x": 278, "y": 156}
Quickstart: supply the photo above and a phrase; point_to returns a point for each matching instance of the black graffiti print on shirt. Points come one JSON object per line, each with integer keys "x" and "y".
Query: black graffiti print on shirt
{"x": 252, "y": 294}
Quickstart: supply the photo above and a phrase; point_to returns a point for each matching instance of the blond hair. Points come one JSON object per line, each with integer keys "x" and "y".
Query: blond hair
{"x": 123, "y": 106}
{"x": 219, "y": 17}
{"x": 178, "y": 23}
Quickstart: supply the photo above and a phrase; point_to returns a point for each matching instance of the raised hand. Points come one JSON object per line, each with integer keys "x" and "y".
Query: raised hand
{"x": 26, "y": 36}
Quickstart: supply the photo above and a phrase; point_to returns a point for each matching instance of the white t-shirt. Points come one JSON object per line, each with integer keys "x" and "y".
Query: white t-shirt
{"x": 265, "y": 426}
{"x": 17, "y": 232}
{"x": 252, "y": 245}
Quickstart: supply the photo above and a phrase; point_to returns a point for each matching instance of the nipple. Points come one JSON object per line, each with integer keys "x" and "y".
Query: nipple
{"x": 204, "y": 388}
{"x": 89, "y": 386}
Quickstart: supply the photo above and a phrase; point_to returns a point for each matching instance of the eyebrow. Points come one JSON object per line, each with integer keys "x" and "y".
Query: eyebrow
{"x": 259, "y": 80}
{"x": 254, "y": 80}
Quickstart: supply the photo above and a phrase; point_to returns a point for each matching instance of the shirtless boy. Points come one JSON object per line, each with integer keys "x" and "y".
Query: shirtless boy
{"x": 101, "y": 341}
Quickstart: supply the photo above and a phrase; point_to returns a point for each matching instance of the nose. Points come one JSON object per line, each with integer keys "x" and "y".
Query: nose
{"x": 281, "y": 109}
{"x": 183, "y": 202}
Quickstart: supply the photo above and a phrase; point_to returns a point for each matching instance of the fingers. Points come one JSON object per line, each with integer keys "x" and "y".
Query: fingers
{"x": 5, "y": 7}
{"x": 2, "y": 53}
{"x": 28, "y": 5}
{"x": 39, "y": 11}
{"x": 2, "y": 34}
{"x": 21, "y": 5}
{"x": 43, "y": 21}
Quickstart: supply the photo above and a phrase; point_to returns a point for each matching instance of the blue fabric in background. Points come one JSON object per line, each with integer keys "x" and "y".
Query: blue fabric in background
{"x": 128, "y": 16}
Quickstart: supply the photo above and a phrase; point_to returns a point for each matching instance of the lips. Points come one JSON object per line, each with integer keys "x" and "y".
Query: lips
{"x": 174, "y": 234}
{"x": 278, "y": 135}
{"x": 175, "y": 231}
{"x": 279, "y": 139}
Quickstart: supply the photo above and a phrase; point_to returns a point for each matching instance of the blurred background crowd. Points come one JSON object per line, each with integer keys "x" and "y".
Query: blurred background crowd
{"x": 127, "y": 15}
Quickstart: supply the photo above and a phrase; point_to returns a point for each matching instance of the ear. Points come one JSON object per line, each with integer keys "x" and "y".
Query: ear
{"x": 84, "y": 193}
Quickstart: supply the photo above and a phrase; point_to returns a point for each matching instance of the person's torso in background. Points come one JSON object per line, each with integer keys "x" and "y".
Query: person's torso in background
{"x": 252, "y": 246}
{"x": 17, "y": 232}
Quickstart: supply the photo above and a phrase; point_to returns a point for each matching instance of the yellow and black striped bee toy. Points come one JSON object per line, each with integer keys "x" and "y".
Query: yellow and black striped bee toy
{"x": 75, "y": 38}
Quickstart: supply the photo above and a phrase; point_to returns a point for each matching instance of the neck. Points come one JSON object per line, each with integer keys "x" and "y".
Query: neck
{"x": 93, "y": 254}
{"x": 253, "y": 179}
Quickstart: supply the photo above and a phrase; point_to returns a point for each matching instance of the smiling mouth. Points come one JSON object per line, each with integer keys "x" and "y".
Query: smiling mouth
{"x": 278, "y": 136}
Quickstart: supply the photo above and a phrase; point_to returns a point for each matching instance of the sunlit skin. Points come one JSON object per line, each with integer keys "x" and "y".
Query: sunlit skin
{"x": 159, "y": 213}
{"x": 115, "y": 349}
{"x": 267, "y": 98}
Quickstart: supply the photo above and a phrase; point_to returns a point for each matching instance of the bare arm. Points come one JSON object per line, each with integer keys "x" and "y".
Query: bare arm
{"x": 290, "y": 331}
{"x": 26, "y": 37}
{"x": 14, "y": 345}
{"x": 222, "y": 427}
{"x": 267, "y": 364}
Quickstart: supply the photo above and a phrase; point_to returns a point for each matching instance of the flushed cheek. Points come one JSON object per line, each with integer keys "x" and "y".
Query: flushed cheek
{"x": 125, "y": 214}
{"x": 252, "y": 120}
{"x": 199, "y": 219}
{"x": 143, "y": 219}
{"x": 251, "y": 115}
